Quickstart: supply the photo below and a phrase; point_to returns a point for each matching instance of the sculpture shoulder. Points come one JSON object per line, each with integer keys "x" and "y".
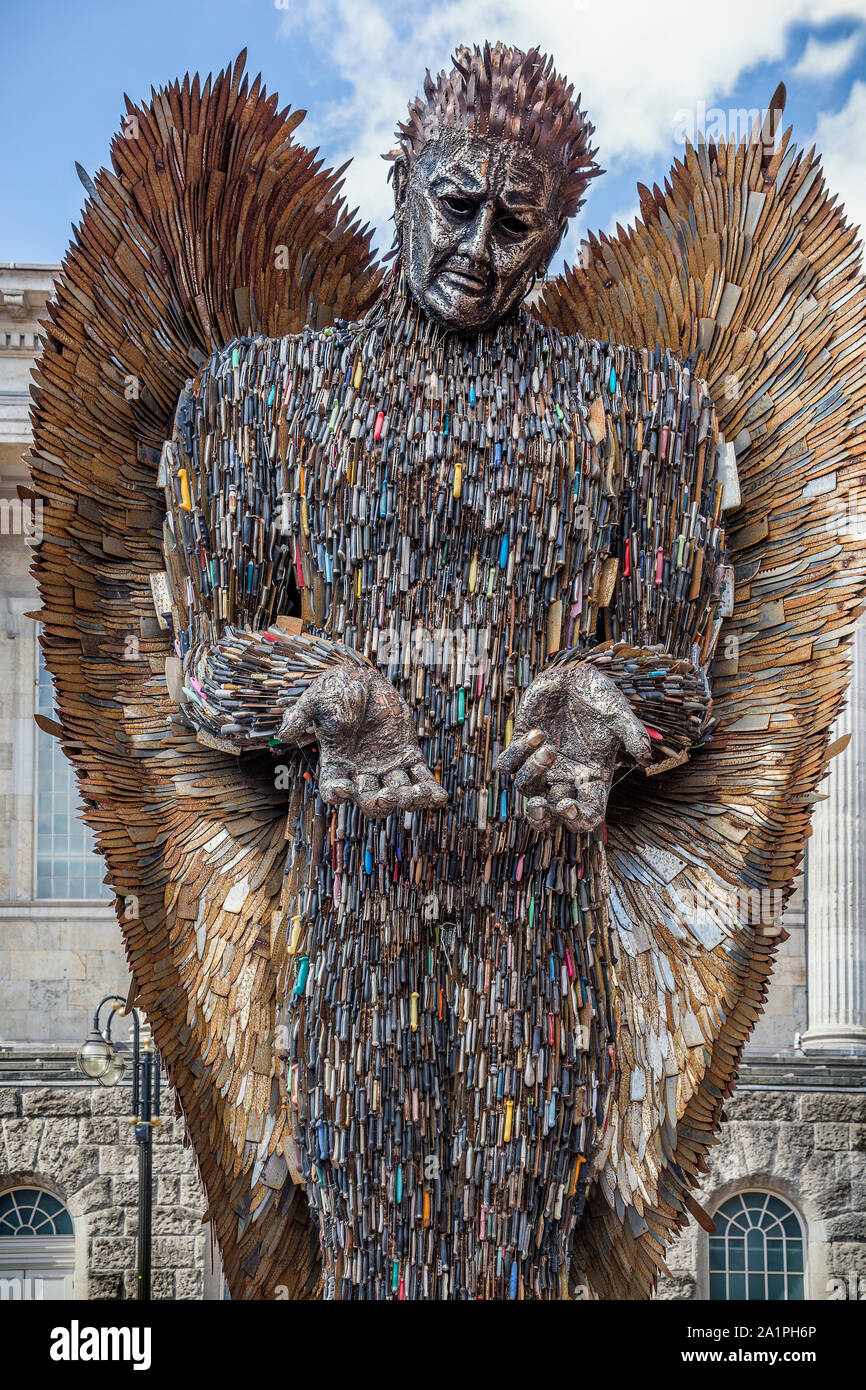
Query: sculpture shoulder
{"x": 251, "y": 367}
{"x": 659, "y": 371}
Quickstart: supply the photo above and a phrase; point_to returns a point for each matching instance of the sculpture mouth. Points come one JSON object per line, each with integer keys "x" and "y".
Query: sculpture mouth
{"x": 464, "y": 280}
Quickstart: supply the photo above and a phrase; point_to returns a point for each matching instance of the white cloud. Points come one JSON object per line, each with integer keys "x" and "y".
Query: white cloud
{"x": 826, "y": 60}
{"x": 841, "y": 140}
{"x": 625, "y": 217}
{"x": 637, "y": 65}
{"x": 584, "y": 223}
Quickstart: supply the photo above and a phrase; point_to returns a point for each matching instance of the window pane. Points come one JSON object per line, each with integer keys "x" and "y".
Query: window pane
{"x": 67, "y": 865}
{"x": 755, "y": 1247}
{"x": 759, "y": 1244}
{"x": 27, "y": 1211}
{"x": 795, "y": 1256}
{"x": 722, "y": 1223}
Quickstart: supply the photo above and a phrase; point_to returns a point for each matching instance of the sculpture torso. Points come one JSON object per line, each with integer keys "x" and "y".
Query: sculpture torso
{"x": 456, "y": 510}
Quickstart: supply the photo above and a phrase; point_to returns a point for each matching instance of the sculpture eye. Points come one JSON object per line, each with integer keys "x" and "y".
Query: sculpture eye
{"x": 512, "y": 227}
{"x": 461, "y": 208}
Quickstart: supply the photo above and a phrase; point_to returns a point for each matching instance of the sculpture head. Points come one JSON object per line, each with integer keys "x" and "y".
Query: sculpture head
{"x": 490, "y": 166}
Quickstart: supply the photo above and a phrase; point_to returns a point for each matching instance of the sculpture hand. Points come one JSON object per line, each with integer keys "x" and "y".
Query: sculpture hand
{"x": 572, "y": 728}
{"x": 368, "y": 748}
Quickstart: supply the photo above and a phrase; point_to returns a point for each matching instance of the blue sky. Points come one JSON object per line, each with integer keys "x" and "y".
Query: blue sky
{"x": 645, "y": 71}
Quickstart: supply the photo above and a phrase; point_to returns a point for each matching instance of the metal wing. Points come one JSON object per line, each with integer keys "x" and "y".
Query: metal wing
{"x": 745, "y": 264}
{"x": 213, "y": 222}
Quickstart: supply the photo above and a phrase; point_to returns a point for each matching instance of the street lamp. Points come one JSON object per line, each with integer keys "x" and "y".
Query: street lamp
{"x": 95, "y": 1055}
{"x": 116, "y": 1069}
{"x": 102, "y": 1060}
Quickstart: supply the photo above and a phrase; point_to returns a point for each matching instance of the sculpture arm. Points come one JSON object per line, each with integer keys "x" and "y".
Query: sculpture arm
{"x": 233, "y": 562}
{"x": 268, "y": 689}
{"x": 656, "y": 568}
{"x": 238, "y": 690}
{"x": 670, "y": 696}
{"x": 235, "y": 567}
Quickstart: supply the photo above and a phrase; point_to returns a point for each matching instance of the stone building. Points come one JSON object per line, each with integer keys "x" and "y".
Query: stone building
{"x": 787, "y": 1182}
{"x": 60, "y": 953}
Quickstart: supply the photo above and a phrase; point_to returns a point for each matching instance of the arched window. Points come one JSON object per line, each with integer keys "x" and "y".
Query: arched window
{"x": 37, "y": 1246}
{"x": 757, "y": 1252}
{"x": 28, "y": 1211}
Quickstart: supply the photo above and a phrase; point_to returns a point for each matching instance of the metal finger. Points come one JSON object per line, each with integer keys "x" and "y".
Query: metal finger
{"x": 538, "y": 812}
{"x": 397, "y": 777}
{"x": 519, "y": 749}
{"x": 335, "y": 790}
{"x": 532, "y": 776}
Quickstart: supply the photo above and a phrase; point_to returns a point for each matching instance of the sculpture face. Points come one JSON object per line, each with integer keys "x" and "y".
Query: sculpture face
{"x": 479, "y": 216}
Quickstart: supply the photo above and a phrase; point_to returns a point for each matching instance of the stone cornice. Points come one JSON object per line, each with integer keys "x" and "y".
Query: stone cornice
{"x": 44, "y": 1064}
{"x": 22, "y": 342}
{"x": 24, "y": 292}
{"x": 793, "y": 1072}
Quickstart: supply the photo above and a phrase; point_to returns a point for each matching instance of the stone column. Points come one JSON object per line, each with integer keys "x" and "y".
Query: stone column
{"x": 836, "y": 887}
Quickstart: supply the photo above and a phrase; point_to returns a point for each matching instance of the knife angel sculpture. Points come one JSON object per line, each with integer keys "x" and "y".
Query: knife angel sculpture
{"x": 448, "y": 681}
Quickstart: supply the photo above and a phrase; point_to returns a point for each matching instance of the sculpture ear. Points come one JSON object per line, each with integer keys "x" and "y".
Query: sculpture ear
{"x": 400, "y": 177}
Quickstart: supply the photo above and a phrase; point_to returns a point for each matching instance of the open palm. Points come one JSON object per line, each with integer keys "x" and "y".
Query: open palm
{"x": 368, "y": 748}
{"x": 572, "y": 728}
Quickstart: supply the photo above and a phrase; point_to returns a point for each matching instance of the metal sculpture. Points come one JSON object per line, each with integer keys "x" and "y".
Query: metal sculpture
{"x": 433, "y": 826}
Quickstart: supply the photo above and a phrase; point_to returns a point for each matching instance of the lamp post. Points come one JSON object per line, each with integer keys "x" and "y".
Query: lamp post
{"x": 102, "y": 1060}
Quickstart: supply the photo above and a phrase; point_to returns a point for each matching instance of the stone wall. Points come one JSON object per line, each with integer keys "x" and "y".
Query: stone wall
{"x": 810, "y": 1148}
{"x": 57, "y": 960}
{"x": 785, "y": 1013}
{"x": 76, "y": 1141}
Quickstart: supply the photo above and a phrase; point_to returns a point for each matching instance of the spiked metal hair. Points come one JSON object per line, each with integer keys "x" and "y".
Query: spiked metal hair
{"x": 518, "y": 96}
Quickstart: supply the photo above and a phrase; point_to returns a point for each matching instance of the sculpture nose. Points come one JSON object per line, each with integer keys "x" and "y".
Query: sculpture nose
{"x": 474, "y": 244}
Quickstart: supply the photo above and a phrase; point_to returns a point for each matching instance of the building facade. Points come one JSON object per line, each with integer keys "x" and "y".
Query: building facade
{"x": 786, "y": 1184}
{"x": 68, "y": 1162}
